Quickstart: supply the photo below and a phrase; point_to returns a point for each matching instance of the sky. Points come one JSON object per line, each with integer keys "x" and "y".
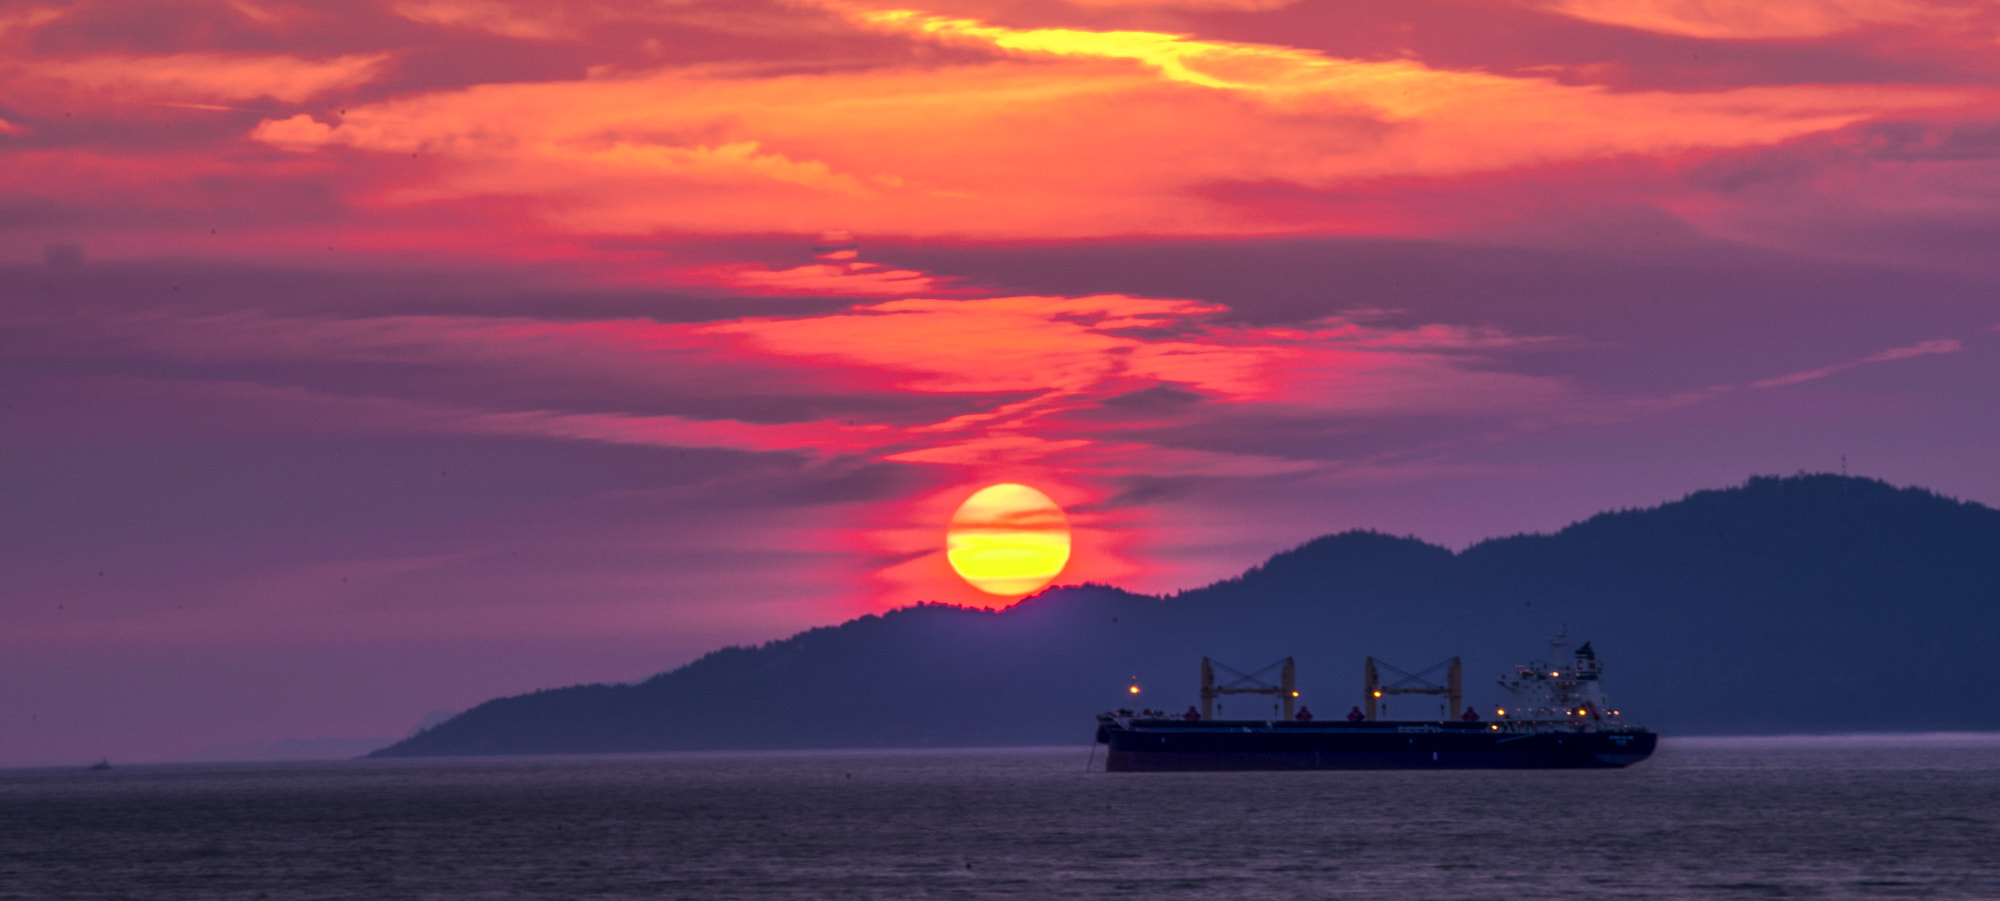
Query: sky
{"x": 362, "y": 360}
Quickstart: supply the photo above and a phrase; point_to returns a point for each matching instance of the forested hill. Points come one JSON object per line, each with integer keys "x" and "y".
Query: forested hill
{"x": 1812, "y": 603}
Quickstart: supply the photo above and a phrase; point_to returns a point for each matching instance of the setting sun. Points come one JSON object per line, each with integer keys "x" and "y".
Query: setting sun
{"x": 1008, "y": 539}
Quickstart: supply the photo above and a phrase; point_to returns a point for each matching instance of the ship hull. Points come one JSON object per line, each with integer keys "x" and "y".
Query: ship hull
{"x": 1139, "y": 745}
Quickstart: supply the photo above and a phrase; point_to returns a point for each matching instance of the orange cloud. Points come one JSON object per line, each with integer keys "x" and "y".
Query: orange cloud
{"x": 985, "y": 344}
{"x": 1070, "y": 132}
{"x": 204, "y": 76}
{"x": 1408, "y": 91}
{"x": 840, "y": 279}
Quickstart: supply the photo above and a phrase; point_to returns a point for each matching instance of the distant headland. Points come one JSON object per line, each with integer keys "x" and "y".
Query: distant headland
{"x": 1810, "y": 603}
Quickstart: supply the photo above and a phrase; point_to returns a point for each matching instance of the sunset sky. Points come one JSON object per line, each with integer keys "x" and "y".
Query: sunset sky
{"x": 360, "y": 360}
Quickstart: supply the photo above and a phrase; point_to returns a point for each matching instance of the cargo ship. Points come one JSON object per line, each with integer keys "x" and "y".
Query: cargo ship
{"x": 1558, "y": 718}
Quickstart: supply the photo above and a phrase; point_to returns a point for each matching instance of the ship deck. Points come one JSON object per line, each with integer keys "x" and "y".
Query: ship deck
{"x": 1153, "y": 744}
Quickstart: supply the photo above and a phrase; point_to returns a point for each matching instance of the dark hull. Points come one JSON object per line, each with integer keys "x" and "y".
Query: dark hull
{"x": 1169, "y": 745}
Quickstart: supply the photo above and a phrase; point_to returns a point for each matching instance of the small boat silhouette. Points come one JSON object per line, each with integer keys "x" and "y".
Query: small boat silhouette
{"x": 102, "y": 763}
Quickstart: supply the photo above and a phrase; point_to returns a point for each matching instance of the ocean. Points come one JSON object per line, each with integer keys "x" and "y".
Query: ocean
{"x": 1864, "y": 817}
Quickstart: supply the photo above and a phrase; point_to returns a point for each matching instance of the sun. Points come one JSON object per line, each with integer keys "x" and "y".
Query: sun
{"x": 1008, "y": 540}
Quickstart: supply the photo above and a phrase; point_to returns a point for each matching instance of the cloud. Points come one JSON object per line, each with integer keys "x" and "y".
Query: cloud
{"x": 893, "y": 122}
{"x": 972, "y": 381}
{"x": 580, "y": 20}
{"x": 258, "y": 13}
{"x": 1755, "y": 20}
{"x": 839, "y": 279}
{"x": 1058, "y": 132}
{"x": 1901, "y": 192}
{"x": 512, "y": 20}
{"x": 26, "y": 19}
{"x": 204, "y": 76}
{"x": 1237, "y": 5}
{"x": 1926, "y": 348}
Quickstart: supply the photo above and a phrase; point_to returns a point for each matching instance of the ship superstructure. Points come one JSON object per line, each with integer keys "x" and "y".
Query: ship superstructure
{"x": 1567, "y": 690}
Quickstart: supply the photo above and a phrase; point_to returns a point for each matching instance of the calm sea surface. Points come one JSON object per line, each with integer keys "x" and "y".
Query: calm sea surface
{"x": 1912, "y": 817}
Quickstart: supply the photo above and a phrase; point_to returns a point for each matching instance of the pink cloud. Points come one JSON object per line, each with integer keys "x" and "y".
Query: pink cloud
{"x": 514, "y": 20}
{"x": 27, "y": 18}
{"x": 1753, "y": 20}
{"x": 977, "y": 382}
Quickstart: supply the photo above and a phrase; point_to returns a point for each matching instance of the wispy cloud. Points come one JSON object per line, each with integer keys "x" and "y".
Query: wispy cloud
{"x": 27, "y": 18}
{"x": 1753, "y": 20}
{"x": 971, "y": 382}
{"x": 1926, "y": 348}
{"x": 514, "y": 20}
{"x": 839, "y": 279}
{"x": 201, "y": 76}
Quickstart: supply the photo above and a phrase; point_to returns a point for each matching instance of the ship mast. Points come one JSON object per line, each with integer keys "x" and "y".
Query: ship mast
{"x": 1419, "y": 683}
{"x": 1247, "y": 684}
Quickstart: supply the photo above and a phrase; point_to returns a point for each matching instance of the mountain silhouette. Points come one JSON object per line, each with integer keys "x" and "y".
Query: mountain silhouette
{"x": 1813, "y": 603}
